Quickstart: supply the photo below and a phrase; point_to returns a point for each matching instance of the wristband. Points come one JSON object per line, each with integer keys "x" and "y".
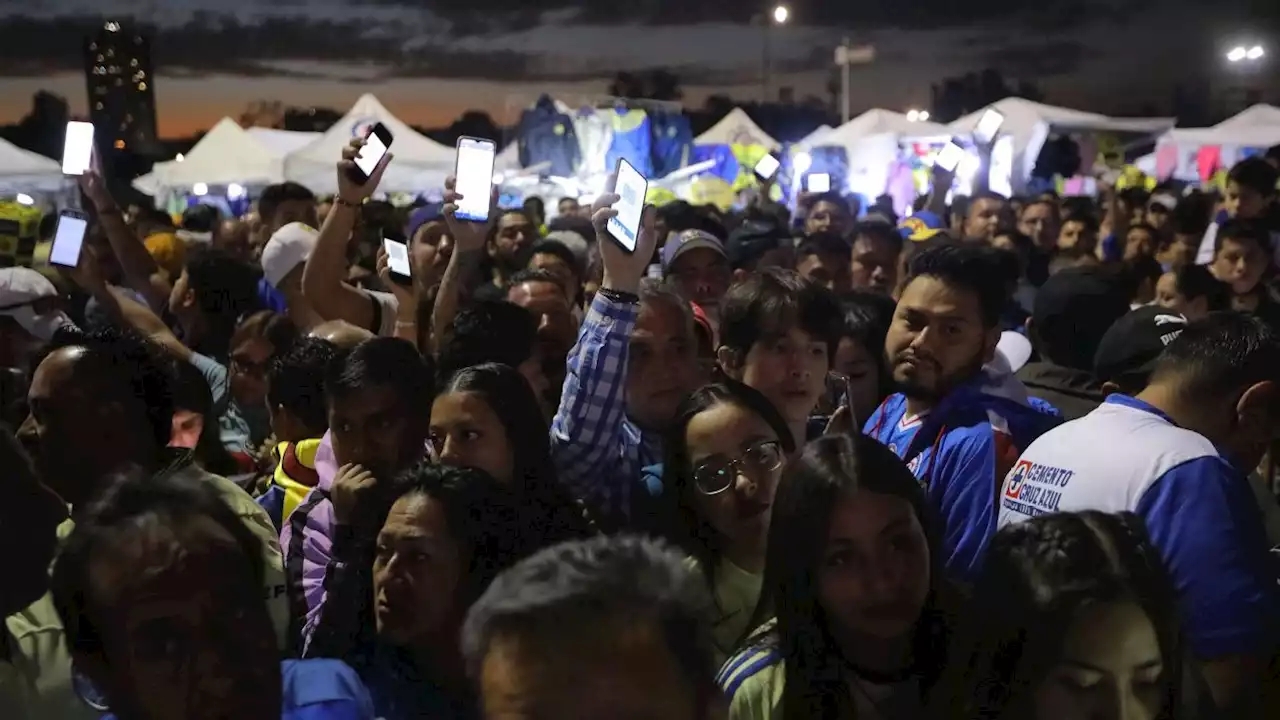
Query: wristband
{"x": 339, "y": 200}
{"x": 619, "y": 296}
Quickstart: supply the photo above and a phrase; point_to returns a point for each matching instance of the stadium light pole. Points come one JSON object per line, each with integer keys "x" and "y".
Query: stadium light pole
{"x": 779, "y": 15}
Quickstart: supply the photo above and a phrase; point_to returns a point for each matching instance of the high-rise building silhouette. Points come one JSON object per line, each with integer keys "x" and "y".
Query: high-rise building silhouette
{"x": 122, "y": 106}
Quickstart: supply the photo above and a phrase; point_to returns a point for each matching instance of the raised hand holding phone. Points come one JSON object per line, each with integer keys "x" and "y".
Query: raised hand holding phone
{"x": 473, "y": 178}
{"x": 350, "y": 188}
{"x": 623, "y": 270}
{"x": 468, "y": 237}
{"x": 77, "y": 150}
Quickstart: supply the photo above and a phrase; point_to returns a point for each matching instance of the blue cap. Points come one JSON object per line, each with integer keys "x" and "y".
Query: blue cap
{"x": 427, "y": 213}
{"x": 921, "y": 226}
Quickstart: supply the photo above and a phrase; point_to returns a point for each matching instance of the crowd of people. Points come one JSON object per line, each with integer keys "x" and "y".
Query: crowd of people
{"x": 1006, "y": 458}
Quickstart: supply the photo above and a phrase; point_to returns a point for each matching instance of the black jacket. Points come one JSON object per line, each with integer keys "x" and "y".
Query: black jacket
{"x": 1075, "y": 393}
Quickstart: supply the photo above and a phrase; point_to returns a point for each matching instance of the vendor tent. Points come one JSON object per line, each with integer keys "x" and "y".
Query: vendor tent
{"x": 226, "y": 154}
{"x": 1177, "y": 152}
{"x": 737, "y": 128}
{"x": 1029, "y": 124}
{"x": 25, "y": 171}
{"x": 282, "y": 141}
{"x": 808, "y": 140}
{"x": 870, "y": 124}
{"x": 870, "y": 143}
{"x": 420, "y": 163}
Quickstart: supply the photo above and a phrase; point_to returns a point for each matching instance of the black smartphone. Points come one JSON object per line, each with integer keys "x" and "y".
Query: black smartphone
{"x": 376, "y": 145}
{"x": 398, "y": 261}
{"x": 68, "y": 238}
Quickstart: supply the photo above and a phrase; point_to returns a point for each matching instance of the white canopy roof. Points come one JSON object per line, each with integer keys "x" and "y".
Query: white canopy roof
{"x": 226, "y": 154}
{"x": 1029, "y": 124}
{"x": 737, "y": 128}
{"x": 1259, "y": 126}
{"x": 283, "y": 141}
{"x": 872, "y": 123}
{"x": 420, "y": 163}
{"x": 25, "y": 171}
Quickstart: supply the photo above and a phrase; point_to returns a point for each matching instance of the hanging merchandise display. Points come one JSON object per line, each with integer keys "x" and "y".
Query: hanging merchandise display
{"x": 594, "y": 129}
{"x": 547, "y": 135}
{"x": 672, "y": 141}
{"x": 632, "y": 140}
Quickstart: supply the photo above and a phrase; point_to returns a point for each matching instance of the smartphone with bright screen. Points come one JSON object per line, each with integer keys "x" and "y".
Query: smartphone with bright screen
{"x": 767, "y": 166}
{"x": 988, "y": 126}
{"x": 398, "y": 260}
{"x": 68, "y": 239}
{"x": 375, "y": 146}
{"x": 949, "y": 157}
{"x": 77, "y": 153}
{"x": 473, "y": 178}
{"x": 819, "y": 183}
{"x": 631, "y": 189}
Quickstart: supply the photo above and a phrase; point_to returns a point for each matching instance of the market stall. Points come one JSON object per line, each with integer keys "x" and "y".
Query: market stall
{"x": 1029, "y": 125}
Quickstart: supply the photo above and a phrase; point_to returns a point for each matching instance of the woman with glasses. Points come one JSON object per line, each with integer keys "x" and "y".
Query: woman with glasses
{"x": 852, "y": 576}
{"x": 724, "y": 456}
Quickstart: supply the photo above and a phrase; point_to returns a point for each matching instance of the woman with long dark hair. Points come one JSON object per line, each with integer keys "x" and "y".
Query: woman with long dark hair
{"x": 723, "y": 458}
{"x": 855, "y": 582}
{"x": 487, "y": 417}
{"x": 1073, "y": 617}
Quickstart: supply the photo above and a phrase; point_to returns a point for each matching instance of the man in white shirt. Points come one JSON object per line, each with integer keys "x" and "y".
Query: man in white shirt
{"x": 1177, "y": 454}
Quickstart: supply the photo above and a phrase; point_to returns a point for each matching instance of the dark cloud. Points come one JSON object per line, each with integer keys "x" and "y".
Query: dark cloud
{"x": 1003, "y": 33}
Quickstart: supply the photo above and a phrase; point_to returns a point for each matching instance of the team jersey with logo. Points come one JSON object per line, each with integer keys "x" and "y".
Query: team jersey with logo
{"x": 1198, "y": 509}
{"x": 960, "y": 451}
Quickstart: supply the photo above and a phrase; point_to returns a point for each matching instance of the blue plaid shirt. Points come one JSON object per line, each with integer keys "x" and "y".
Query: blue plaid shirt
{"x": 598, "y": 452}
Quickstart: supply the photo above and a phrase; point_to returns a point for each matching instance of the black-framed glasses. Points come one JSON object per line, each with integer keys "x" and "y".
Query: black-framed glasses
{"x": 715, "y": 476}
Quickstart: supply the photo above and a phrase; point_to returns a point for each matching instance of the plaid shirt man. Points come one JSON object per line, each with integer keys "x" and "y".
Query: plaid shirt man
{"x": 597, "y": 450}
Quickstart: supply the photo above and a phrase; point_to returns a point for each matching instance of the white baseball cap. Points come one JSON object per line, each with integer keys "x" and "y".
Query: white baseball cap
{"x": 289, "y": 247}
{"x": 20, "y": 289}
{"x": 1015, "y": 348}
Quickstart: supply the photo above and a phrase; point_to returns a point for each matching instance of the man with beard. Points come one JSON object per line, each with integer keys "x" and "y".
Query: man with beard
{"x": 958, "y": 430}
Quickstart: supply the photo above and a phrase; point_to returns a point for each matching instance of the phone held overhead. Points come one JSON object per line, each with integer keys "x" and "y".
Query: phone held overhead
{"x": 473, "y": 178}
{"x": 631, "y": 188}
{"x": 376, "y": 145}
{"x": 68, "y": 238}
{"x": 988, "y": 126}
{"x": 949, "y": 157}
{"x": 818, "y": 183}
{"x": 398, "y": 261}
{"x": 77, "y": 151}
{"x": 767, "y": 167}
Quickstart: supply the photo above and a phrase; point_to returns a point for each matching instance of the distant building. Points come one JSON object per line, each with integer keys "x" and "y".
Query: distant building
{"x": 121, "y": 81}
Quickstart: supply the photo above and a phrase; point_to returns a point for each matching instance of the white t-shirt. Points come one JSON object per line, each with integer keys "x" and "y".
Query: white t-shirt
{"x": 1199, "y": 510}
{"x": 385, "y": 313}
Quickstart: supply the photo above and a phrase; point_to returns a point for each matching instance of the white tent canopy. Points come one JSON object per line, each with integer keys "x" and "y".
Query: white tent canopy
{"x": 737, "y": 128}
{"x": 226, "y": 154}
{"x": 870, "y": 142}
{"x": 283, "y": 141}
{"x": 1029, "y": 124}
{"x": 25, "y": 171}
{"x": 869, "y": 124}
{"x": 420, "y": 163}
{"x": 1259, "y": 126}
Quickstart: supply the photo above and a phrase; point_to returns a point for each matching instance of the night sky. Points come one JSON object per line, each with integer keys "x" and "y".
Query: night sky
{"x": 428, "y": 61}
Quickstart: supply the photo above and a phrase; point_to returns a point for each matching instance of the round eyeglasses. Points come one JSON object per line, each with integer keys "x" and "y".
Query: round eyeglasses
{"x": 715, "y": 476}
